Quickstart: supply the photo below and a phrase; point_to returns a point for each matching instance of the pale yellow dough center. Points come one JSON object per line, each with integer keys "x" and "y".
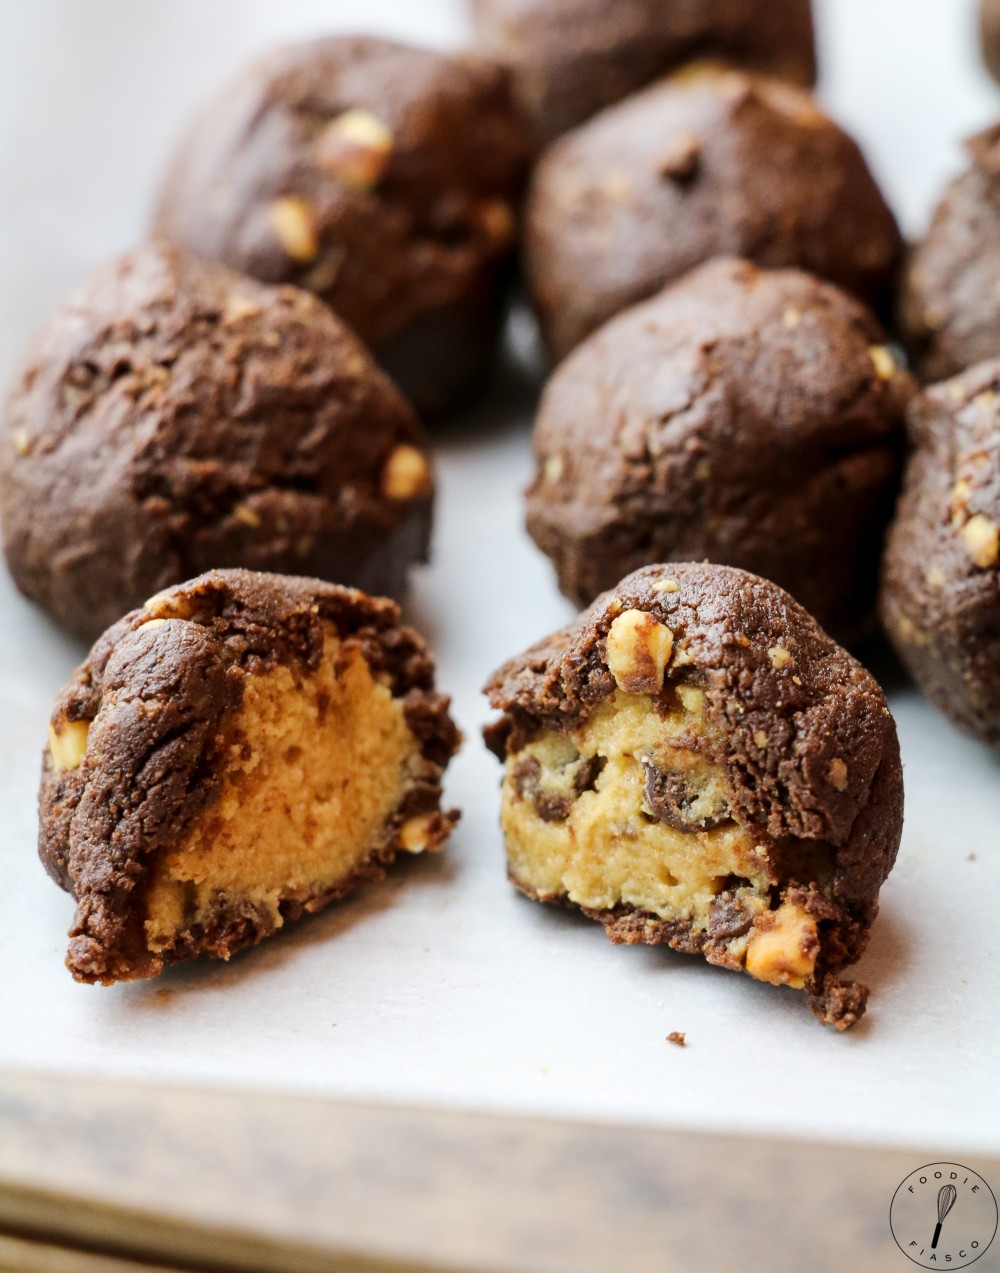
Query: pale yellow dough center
{"x": 312, "y": 768}
{"x": 610, "y": 850}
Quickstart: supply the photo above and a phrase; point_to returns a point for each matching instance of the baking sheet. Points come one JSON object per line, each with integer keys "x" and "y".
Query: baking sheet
{"x": 440, "y": 985}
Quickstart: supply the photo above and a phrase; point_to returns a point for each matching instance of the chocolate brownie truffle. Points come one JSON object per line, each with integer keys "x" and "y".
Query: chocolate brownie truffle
{"x": 383, "y": 178}
{"x": 571, "y": 58}
{"x": 941, "y": 582}
{"x": 174, "y": 417}
{"x": 242, "y": 750}
{"x": 989, "y": 30}
{"x": 708, "y": 163}
{"x": 693, "y": 761}
{"x": 950, "y": 294}
{"x": 747, "y": 416}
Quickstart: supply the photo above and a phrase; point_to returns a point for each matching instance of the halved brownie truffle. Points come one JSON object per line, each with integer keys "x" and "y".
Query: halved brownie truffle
{"x": 243, "y": 749}
{"x": 693, "y": 761}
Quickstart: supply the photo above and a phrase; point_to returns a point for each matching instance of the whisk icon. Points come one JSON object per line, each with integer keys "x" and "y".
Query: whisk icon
{"x": 946, "y": 1200}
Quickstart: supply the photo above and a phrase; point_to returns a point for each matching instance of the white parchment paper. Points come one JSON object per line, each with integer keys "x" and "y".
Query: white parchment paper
{"x": 441, "y": 985}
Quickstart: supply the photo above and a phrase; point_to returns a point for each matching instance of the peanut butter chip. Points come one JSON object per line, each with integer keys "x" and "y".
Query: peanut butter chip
{"x": 165, "y": 605}
{"x": 21, "y": 441}
{"x": 292, "y": 222}
{"x": 246, "y": 516}
{"x": 552, "y": 469}
{"x": 68, "y": 743}
{"x": 356, "y": 147}
{"x": 779, "y": 657}
{"x": 679, "y": 162}
{"x": 785, "y": 953}
{"x": 496, "y": 220}
{"x": 836, "y": 775}
{"x": 406, "y": 474}
{"x": 638, "y": 651}
{"x": 982, "y": 541}
{"x": 666, "y": 585}
{"x": 415, "y": 835}
{"x": 238, "y": 308}
{"x": 883, "y": 361}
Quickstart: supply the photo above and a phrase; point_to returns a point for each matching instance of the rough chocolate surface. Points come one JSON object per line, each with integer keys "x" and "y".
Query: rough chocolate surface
{"x": 571, "y": 58}
{"x": 749, "y": 417}
{"x": 940, "y": 597}
{"x": 950, "y": 292}
{"x": 155, "y": 696}
{"x": 707, "y": 163}
{"x": 989, "y": 31}
{"x": 806, "y": 741}
{"x": 173, "y": 417}
{"x": 348, "y": 166}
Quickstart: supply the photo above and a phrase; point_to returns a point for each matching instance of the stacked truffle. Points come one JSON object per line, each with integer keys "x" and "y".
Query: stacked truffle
{"x": 223, "y": 426}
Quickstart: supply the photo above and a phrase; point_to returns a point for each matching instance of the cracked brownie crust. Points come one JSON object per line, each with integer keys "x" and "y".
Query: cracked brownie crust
{"x": 940, "y": 597}
{"x": 242, "y": 750}
{"x": 693, "y": 761}
{"x": 572, "y": 58}
{"x": 347, "y": 166}
{"x": 707, "y": 163}
{"x": 950, "y": 289}
{"x": 753, "y": 418}
{"x": 173, "y": 417}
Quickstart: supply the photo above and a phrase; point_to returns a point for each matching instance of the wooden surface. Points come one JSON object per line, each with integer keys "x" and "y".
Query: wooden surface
{"x": 224, "y": 1180}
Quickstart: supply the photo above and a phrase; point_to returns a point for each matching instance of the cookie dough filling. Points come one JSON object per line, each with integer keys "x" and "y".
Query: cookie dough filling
{"x": 694, "y": 762}
{"x": 310, "y": 769}
{"x": 629, "y": 810}
{"x": 244, "y": 749}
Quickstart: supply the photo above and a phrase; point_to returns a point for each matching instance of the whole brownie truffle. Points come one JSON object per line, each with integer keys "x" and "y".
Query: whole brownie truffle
{"x": 571, "y": 58}
{"x": 950, "y": 293}
{"x": 242, "y": 750}
{"x": 381, "y": 177}
{"x": 693, "y": 761}
{"x": 941, "y": 578}
{"x": 747, "y": 416}
{"x": 173, "y": 417}
{"x": 708, "y": 163}
{"x": 989, "y": 30}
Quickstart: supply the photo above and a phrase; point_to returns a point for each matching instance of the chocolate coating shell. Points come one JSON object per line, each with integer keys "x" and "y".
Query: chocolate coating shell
{"x": 706, "y": 164}
{"x": 950, "y": 289}
{"x": 174, "y": 417}
{"x": 382, "y": 177}
{"x": 744, "y": 416}
{"x": 940, "y": 598}
{"x": 572, "y": 58}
